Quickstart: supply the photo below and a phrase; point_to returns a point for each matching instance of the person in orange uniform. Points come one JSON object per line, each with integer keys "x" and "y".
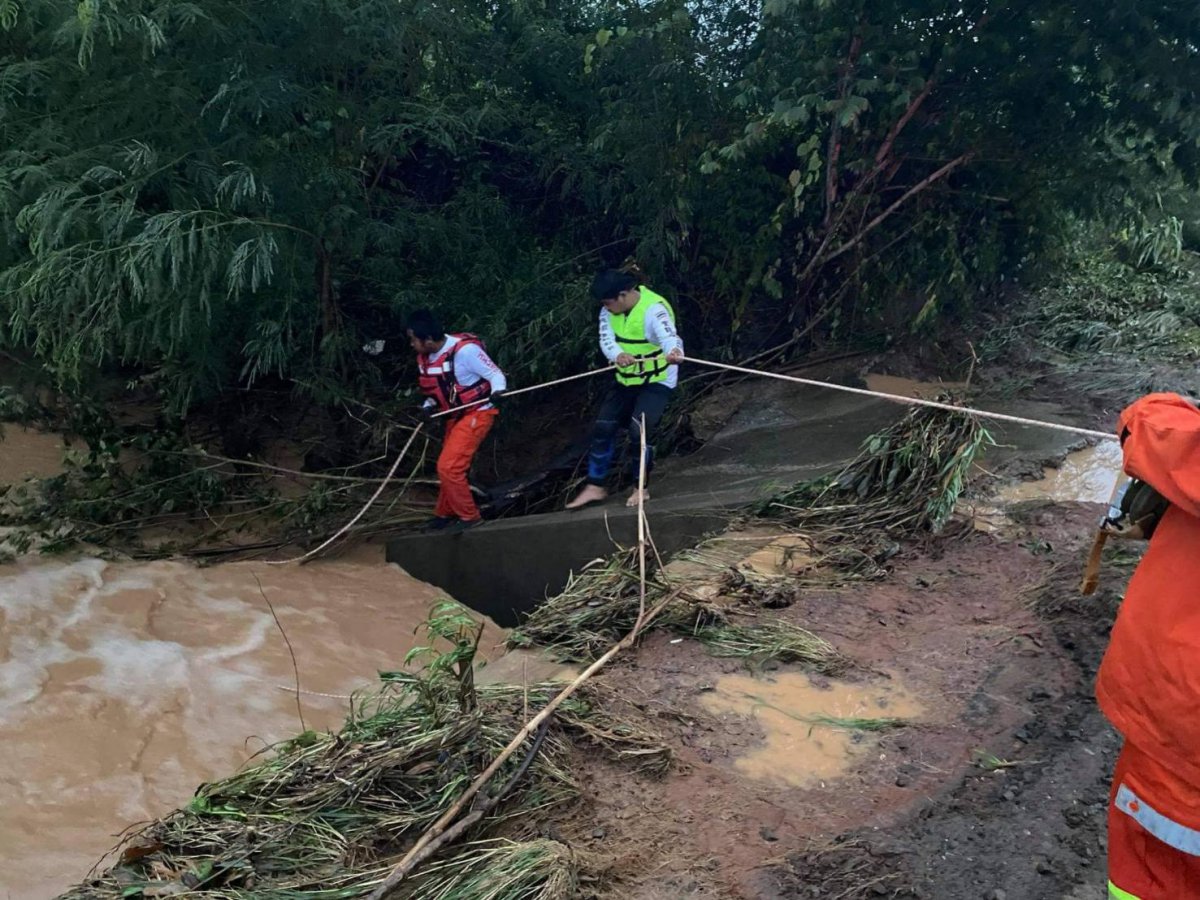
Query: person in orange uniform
{"x": 458, "y": 378}
{"x": 1149, "y": 681}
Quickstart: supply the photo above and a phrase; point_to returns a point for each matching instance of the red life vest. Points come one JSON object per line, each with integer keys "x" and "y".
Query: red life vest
{"x": 437, "y": 378}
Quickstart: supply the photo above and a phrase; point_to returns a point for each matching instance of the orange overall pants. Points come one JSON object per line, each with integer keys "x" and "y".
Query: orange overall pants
{"x": 464, "y": 434}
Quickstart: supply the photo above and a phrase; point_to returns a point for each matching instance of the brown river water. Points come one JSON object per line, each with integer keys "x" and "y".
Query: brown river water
{"x": 125, "y": 685}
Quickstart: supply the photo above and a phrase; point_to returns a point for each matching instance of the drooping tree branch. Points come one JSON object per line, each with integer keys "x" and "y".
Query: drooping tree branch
{"x": 904, "y": 198}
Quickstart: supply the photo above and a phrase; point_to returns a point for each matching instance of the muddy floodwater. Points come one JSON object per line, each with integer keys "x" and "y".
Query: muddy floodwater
{"x": 25, "y": 453}
{"x": 123, "y": 686}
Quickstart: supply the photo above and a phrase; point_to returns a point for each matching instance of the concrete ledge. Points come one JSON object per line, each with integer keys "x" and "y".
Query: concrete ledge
{"x": 505, "y": 568}
{"x": 787, "y": 434}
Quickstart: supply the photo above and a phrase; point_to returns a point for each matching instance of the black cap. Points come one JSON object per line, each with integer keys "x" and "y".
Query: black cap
{"x": 610, "y": 282}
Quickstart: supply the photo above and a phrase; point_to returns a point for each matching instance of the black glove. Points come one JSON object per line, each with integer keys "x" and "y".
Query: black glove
{"x": 426, "y": 411}
{"x": 496, "y": 395}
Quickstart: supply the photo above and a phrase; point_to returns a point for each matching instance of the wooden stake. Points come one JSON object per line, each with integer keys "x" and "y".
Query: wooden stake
{"x": 1091, "y": 569}
{"x": 641, "y": 508}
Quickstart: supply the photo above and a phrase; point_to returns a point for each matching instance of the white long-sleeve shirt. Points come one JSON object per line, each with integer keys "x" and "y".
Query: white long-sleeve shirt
{"x": 472, "y": 365}
{"x": 660, "y": 331}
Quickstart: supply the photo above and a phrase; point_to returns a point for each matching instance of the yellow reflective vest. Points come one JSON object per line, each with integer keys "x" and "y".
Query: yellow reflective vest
{"x": 630, "y": 331}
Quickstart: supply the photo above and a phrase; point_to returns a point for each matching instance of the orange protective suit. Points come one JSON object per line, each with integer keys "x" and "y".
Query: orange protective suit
{"x": 1149, "y": 681}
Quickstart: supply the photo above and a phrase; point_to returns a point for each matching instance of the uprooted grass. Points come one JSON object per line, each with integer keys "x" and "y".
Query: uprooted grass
{"x": 596, "y": 609}
{"x": 906, "y": 479}
{"x": 858, "y": 723}
{"x": 773, "y": 640}
{"x": 601, "y": 603}
{"x": 532, "y": 870}
{"x": 324, "y": 816}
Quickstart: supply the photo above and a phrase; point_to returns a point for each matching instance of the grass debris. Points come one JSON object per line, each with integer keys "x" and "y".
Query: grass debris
{"x": 906, "y": 479}
{"x": 854, "y": 723}
{"x": 501, "y": 870}
{"x": 777, "y": 639}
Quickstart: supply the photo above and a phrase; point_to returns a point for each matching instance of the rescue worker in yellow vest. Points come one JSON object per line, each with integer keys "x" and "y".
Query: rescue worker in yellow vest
{"x": 637, "y": 334}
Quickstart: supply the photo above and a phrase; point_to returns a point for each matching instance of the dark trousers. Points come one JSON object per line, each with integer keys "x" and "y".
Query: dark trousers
{"x": 624, "y": 408}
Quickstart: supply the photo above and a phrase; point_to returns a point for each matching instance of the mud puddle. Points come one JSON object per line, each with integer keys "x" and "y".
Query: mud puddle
{"x": 1084, "y": 476}
{"x": 123, "y": 686}
{"x": 815, "y": 731}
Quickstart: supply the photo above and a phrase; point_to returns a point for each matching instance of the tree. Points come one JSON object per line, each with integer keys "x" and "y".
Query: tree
{"x": 211, "y": 195}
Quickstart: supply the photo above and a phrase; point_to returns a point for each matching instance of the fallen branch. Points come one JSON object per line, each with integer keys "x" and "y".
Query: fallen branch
{"x": 475, "y": 815}
{"x": 438, "y": 828}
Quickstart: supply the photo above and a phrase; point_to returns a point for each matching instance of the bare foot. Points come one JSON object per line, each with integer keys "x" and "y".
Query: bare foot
{"x": 591, "y": 494}
{"x": 633, "y": 498}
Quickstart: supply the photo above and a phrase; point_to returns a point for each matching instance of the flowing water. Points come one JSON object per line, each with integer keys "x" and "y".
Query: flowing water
{"x": 125, "y": 685}
{"x": 29, "y": 454}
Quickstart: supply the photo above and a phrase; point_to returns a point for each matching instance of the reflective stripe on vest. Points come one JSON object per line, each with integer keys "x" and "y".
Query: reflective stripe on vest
{"x": 629, "y": 329}
{"x": 1180, "y": 837}
{"x": 437, "y": 378}
{"x": 1117, "y": 894}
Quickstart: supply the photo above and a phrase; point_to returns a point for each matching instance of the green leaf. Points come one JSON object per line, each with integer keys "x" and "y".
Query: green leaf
{"x": 851, "y": 109}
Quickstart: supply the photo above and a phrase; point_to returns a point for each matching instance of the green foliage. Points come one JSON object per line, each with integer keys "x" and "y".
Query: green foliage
{"x": 777, "y": 640}
{"x": 227, "y": 194}
{"x": 1137, "y": 294}
{"x": 1156, "y": 244}
{"x": 15, "y": 406}
{"x": 221, "y": 195}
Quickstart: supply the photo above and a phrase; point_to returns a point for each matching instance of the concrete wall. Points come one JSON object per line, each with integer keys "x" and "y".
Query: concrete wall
{"x": 507, "y": 567}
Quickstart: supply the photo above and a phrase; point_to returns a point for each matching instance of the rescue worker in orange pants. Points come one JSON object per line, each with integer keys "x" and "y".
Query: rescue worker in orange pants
{"x": 1149, "y": 681}
{"x": 457, "y": 377}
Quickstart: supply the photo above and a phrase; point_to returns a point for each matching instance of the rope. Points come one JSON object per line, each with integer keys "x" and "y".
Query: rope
{"x": 525, "y": 390}
{"x": 379, "y": 490}
{"x": 395, "y": 465}
{"x": 913, "y": 401}
{"x": 896, "y": 398}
